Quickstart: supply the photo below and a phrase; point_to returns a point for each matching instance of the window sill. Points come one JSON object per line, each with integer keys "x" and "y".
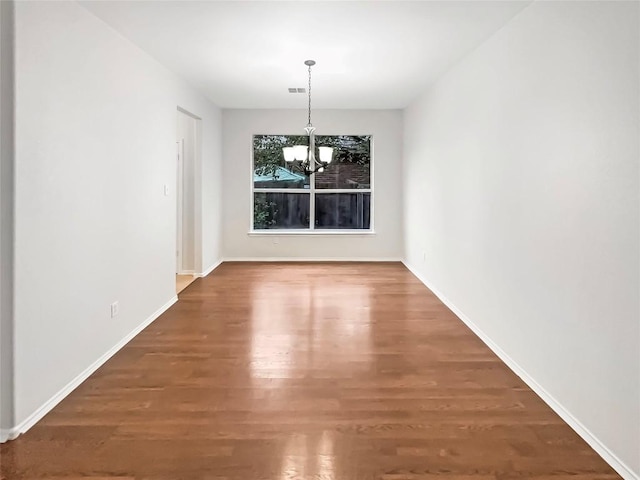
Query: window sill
{"x": 311, "y": 233}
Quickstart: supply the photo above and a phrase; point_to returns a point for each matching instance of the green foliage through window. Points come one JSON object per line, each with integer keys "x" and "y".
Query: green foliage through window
{"x": 264, "y": 213}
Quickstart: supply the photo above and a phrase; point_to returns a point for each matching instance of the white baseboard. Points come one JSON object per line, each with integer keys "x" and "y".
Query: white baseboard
{"x": 186, "y": 272}
{"x": 618, "y": 465}
{"x": 311, "y": 259}
{"x": 210, "y": 269}
{"x": 10, "y": 434}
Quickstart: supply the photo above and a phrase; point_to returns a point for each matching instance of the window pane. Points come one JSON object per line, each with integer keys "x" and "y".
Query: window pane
{"x": 280, "y": 210}
{"x": 350, "y": 167}
{"x": 343, "y": 210}
{"x": 269, "y": 168}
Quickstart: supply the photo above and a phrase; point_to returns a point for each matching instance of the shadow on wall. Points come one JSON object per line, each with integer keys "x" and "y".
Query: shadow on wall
{"x": 6, "y": 216}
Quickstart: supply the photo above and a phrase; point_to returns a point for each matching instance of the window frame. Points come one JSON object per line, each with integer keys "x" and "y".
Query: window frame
{"x": 311, "y": 191}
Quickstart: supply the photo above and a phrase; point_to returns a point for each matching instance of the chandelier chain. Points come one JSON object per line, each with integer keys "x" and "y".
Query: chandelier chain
{"x": 309, "y": 118}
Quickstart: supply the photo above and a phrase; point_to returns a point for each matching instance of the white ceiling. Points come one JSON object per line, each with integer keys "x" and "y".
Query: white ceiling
{"x": 369, "y": 54}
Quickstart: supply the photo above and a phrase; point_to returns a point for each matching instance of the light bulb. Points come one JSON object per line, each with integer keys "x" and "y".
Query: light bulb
{"x": 326, "y": 154}
{"x": 289, "y": 154}
{"x": 301, "y": 152}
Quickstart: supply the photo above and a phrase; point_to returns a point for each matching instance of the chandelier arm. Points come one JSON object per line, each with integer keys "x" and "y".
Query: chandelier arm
{"x": 308, "y": 170}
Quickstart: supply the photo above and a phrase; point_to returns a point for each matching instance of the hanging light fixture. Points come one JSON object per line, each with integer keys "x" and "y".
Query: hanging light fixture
{"x": 306, "y": 154}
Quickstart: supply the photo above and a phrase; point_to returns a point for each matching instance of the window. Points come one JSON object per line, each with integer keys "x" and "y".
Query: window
{"x": 339, "y": 198}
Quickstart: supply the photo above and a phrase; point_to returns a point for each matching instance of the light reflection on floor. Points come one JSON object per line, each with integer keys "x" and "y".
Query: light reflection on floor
{"x": 339, "y": 315}
{"x": 308, "y": 456}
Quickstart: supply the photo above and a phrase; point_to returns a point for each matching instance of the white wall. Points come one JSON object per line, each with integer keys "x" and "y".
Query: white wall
{"x": 521, "y": 174}
{"x": 95, "y": 145}
{"x": 386, "y": 127}
{"x": 6, "y": 216}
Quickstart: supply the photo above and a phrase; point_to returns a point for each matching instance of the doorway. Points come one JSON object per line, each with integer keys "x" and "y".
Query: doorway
{"x": 187, "y": 149}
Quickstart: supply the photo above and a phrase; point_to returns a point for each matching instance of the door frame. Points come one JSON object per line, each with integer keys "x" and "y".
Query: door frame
{"x": 193, "y": 189}
{"x": 179, "y": 203}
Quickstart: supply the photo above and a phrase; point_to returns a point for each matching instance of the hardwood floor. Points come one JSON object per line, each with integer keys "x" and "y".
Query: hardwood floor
{"x": 303, "y": 371}
{"x": 183, "y": 281}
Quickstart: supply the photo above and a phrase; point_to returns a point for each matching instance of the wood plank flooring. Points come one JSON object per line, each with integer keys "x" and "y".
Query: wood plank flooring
{"x": 303, "y": 371}
{"x": 183, "y": 281}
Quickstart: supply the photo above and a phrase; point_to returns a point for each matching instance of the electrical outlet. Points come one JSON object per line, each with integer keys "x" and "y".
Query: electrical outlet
{"x": 424, "y": 256}
{"x": 166, "y": 190}
{"x": 115, "y": 309}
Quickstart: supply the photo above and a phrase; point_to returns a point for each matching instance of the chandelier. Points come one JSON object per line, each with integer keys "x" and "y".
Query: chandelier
{"x": 306, "y": 154}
